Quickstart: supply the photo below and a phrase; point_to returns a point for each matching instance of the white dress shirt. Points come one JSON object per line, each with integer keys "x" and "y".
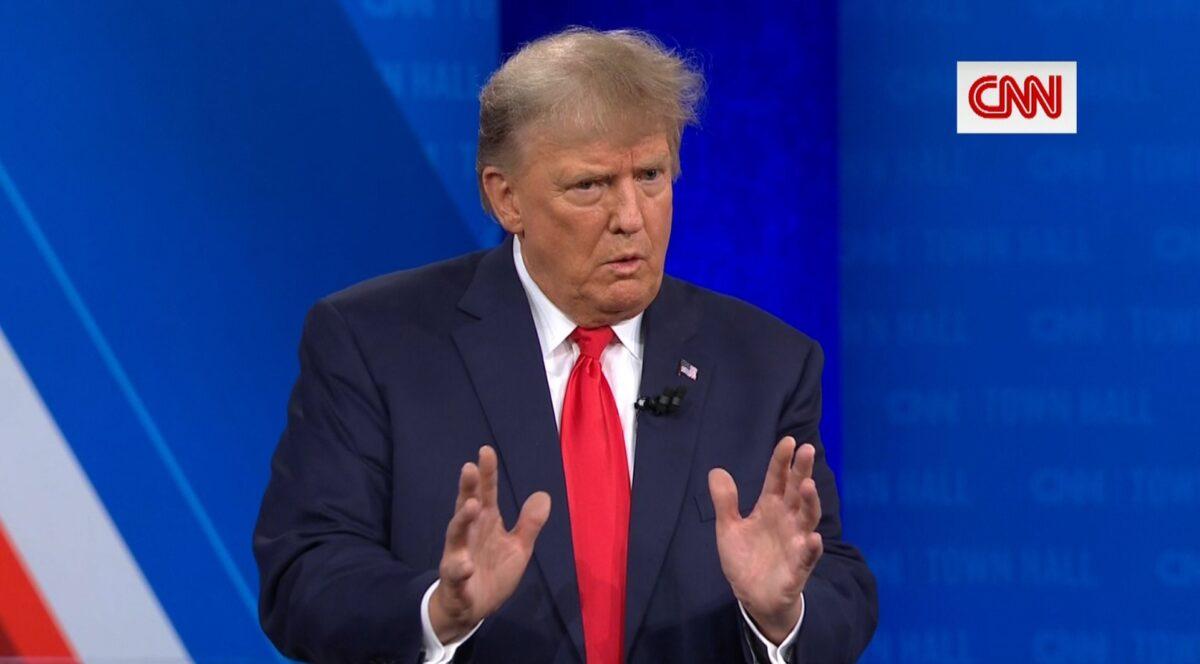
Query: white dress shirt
{"x": 622, "y": 365}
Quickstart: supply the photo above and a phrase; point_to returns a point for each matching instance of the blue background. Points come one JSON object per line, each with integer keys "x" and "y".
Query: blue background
{"x": 1011, "y": 321}
{"x": 1019, "y": 332}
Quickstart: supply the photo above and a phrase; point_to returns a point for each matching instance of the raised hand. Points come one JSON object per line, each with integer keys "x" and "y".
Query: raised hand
{"x": 482, "y": 561}
{"x": 768, "y": 556}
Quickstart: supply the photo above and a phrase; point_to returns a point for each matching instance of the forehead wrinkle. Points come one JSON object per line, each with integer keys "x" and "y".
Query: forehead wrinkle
{"x": 573, "y": 165}
{"x": 596, "y": 157}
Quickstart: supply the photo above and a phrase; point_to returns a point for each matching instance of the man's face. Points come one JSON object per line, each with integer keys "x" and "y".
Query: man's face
{"x": 594, "y": 220}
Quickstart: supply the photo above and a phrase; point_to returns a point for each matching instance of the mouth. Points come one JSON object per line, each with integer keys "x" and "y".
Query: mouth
{"x": 625, "y": 258}
{"x": 625, "y": 264}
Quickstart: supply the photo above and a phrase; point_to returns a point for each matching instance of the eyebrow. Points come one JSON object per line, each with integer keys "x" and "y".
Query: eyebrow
{"x": 653, "y": 161}
{"x": 589, "y": 171}
{"x": 584, "y": 172}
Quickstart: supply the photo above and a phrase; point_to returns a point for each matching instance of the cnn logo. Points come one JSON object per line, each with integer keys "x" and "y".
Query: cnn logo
{"x": 1017, "y": 98}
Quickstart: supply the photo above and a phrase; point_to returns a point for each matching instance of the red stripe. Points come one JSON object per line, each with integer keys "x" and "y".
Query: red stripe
{"x": 25, "y": 617}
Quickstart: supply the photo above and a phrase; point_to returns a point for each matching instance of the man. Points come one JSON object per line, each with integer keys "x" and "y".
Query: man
{"x": 376, "y": 540}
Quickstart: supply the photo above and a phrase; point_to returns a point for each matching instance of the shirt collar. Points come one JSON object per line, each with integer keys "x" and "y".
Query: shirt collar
{"x": 554, "y": 327}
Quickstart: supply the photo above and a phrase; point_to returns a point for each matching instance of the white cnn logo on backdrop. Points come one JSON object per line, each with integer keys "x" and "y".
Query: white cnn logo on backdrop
{"x": 1017, "y": 98}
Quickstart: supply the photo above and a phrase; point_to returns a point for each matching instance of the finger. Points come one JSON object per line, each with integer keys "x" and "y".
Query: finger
{"x": 460, "y": 526}
{"x": 777, "y": 469}
{"x": 487, "y": 476}
{"x": 801, "y": 469}
{"x": 468, "y": 484}
{"x": 724, "y": 495}
{"x": 534, "y": 514}
{"x": 806, "y": 455}
{"x": 810, "y": 505}
{"x": 813, "y": 547}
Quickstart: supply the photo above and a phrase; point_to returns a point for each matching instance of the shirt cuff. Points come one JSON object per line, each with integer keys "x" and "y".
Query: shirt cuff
{"x": 436, "y": 652}
{"x": 776, "y": 654}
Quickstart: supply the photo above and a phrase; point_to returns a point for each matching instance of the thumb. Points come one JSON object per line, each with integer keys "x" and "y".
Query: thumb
{"x": 534, "y": 514}
{"x": 724, "y": 494}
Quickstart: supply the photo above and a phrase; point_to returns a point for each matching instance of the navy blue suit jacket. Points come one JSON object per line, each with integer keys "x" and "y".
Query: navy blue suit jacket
{"x": 403, "y": 377}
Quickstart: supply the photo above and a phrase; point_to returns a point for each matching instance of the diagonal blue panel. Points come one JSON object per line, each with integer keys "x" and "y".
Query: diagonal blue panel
{"x": 116, "y": 439}
{"x": 202, "y": 172}
{"x": 434, "y": 58}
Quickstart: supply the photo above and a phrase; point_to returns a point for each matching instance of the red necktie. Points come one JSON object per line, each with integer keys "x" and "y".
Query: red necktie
{"x": 593, "y": 452}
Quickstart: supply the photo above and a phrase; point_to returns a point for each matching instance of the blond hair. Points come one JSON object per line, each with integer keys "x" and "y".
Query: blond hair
{"x": 589, "y": 82}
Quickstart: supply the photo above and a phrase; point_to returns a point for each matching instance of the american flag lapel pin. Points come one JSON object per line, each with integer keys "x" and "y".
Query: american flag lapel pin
{"x": 688, "y": 369}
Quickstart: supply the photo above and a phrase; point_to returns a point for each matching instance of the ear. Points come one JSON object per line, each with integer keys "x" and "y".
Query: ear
{"x": 503, "y": 199}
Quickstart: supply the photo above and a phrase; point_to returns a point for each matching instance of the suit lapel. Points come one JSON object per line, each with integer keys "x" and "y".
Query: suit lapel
{"x": 665, "y": 445}
{"x": 504, "y": 359}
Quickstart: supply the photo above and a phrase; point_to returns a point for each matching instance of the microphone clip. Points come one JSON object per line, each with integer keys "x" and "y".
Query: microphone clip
{"x": 666, "y": 403}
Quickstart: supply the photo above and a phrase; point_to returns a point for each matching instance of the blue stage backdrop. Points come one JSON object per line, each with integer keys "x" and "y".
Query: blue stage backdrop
{"x": 1011, "y": 321}
{"x": 1020, "y": 336}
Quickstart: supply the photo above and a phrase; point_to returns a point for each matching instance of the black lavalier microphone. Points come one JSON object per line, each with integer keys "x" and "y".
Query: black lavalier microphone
{"x": 664, "y": 404}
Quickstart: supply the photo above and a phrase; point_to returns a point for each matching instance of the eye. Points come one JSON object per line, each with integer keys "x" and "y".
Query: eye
{"x": 586, "y": 185}
{"x": 651, "y": 173}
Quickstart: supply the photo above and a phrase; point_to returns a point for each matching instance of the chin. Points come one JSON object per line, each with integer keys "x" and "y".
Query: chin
{"x": 628, "y": 300}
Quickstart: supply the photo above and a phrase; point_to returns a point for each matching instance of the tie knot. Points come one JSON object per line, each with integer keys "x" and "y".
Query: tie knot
{"x": 592, "y": 340}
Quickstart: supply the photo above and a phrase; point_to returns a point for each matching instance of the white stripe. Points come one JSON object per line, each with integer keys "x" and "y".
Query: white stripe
{"x": 62, "y": 531}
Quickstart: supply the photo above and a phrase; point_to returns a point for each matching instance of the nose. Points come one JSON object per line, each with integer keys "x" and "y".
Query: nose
{"x": 626, "y": 216}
